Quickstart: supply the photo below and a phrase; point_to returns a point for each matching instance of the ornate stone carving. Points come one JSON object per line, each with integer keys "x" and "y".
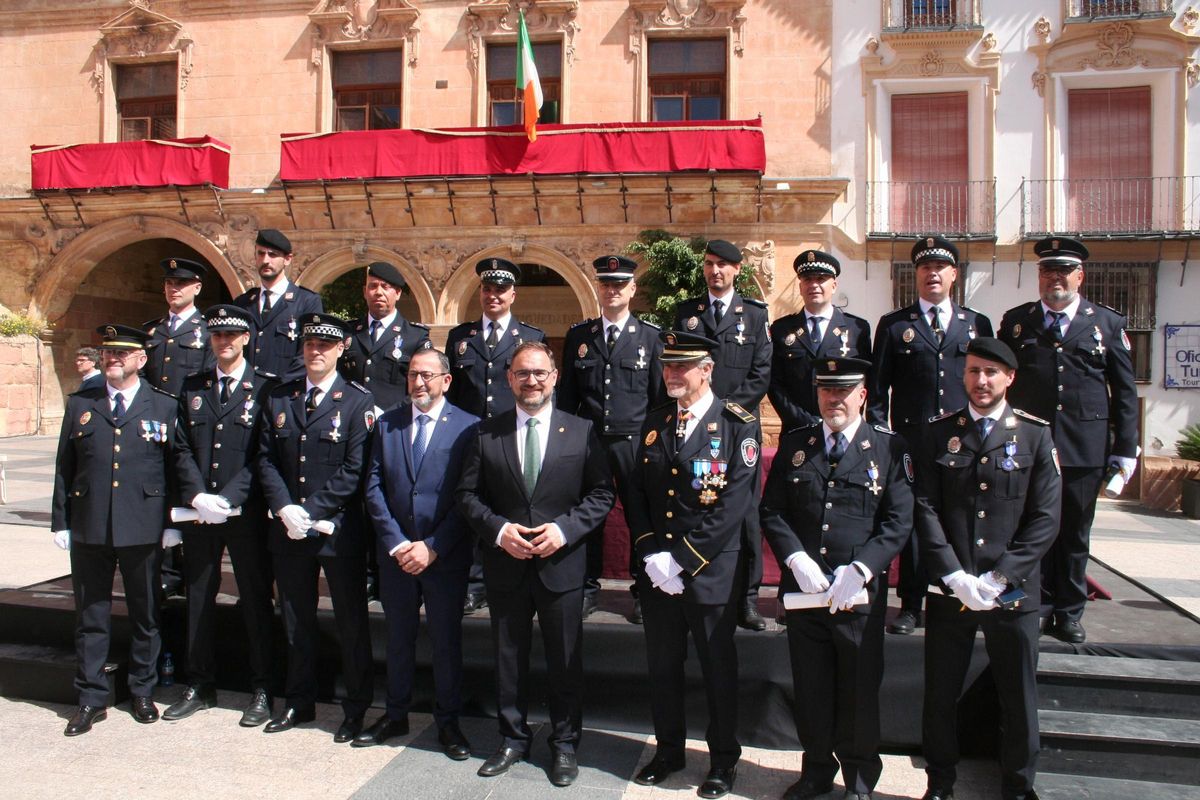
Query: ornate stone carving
{"x": 350, "y": 21}
{"x": 139, "y": 32}
{"x": 872, "y": 45}
{"x": 1039, "y": 83}
{"x": 932, "y": 64}
{"x": 1189, "y": 20}
{"x": 761, "y": 257}
{"x": 652, "y": 15}
{"x": 496, "y": 18}
{"x": 436, "y": 261}
{"x": 989, "y": 42}
{"x": 1115, "y": 49}
{"x": 1041, "y": 29}
{"x": 517, "y": 245}
{"x": 49, "y": 239}
{"x": 1192, "y": 70}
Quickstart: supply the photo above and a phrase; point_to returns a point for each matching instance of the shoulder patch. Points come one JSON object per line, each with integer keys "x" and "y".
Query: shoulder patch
{"x": 884, "y": 429}
{"x": 739, "y": 412}
{"x": 1030, "y": 417}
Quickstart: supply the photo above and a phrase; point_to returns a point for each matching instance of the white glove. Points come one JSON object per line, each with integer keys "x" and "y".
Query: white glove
{"x": 989, "y": 587}
{"x": 1125, "y": 464}
{"x": 297, "y": 521}
{"x": 847, "y": 582}
{"x": 807, "y": 573}
{"x": 661, "y": 567}
{"x": 966, "y": 589}
{"x": 171, "y": 537}
{"x": 63, "y": 539}
{"x": 672, "y": 585}
{"x": 212, "y": 508}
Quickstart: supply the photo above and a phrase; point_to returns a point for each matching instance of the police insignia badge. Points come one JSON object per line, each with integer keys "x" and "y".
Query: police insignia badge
{"x": 462, "y": 347}
{"x": 798, "y": 458}
{"x": 582, "y": 350}
{"x": 1125, "y": 340}
{"x": 197, "y": 401}
{"x": 85, "y": 418}
{"x": 908, "y": 468}
{"x": 1054, "y": 455}
{"x": 280, "y": 419}
{"x": 909, "y": 335}
{"x": 711, "y": 427}
{"x": 749, "y": 449}
{"x": 1017, "y": 330}
{"x": 790, "y": 339}
{"x": 954, "y": 445}
{"x": 651, "y": 438}
{"x": 693, "y": 323}
{"x": 369, "y": 419}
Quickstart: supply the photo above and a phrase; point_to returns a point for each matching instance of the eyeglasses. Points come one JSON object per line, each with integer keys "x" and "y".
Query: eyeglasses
{"x": 119, "y": 355}
{"x": 426, "y": 377}
{"x": 539, "y": 375}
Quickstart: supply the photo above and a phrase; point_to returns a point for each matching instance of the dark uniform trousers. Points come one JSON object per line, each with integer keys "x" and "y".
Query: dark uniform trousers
{"x": 318, "y": 462}
{"x": 915, "y": 377}
{"x": 703, "y": 534}
{"x": 857, "y": 510}
{"x": 1084, "y": 387}
{"x": 218, "y": 444}
{"x": 741, "y": 374}
{"x": 111, "y": 488}
{"x": 983, "y": 506}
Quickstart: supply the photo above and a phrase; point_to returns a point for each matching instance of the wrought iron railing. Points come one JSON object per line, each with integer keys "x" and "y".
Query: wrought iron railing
{"x": 931, "y": 14}
{"x": 913, "y": 208}
{"x": 1095, "y": 9}
{"x": 1111, "y": 206}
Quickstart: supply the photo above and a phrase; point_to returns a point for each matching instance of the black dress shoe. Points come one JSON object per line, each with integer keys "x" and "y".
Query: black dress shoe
{"x": 938, "y": 794}
{"x": 454, "y": 744}
{"x": 658, "y": 770}
{"x": 143, "y": 710}
{"x": 350, "y": 728}
{"x": 289, "y": 718}
{"x": 636, "y": 616}
{"x": 849, "y": 795}
{"x": 473, "y": 603}
{"x": 1069, "y": 631}
{"x": 384, "y": 728}
{"x": 257, "y": 711}
{"x": 749, "y": 618}
{"x": 499, "y": 762}
{"x": 805, "y": 789}
{"x": 81, "y": 721}
{"x": 193, "y": 700}
{"x": 590, "y": 605}
{"x": 718, "y": 783}
{"x": 905, "y": 622}
{"x": 564, "y": 770}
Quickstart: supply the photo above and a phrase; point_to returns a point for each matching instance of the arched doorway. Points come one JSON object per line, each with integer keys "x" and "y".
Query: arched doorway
{"x": 338, "y": 276}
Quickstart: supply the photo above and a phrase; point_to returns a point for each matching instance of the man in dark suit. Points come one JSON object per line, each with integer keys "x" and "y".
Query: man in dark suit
{"x": 741, "y": 375}
{"x": 378, "y": 353}
{"x": 424, "y": 545}
{"x": 612, "y": 376}
{"x": 87, "y": 364}
{"x": 1075, "y": 370}
{"x": 111, "y": 487}
{"x": 480, "y": 352}
{"x": 988, "y": 495}
{"x": 218, "y": 437}
{"x": 177, "y": 344}
{"x": 278, "y": 306}
{"x": 535, "y": 483}
{"x": 693, "y": 485}
{"x": 313, "y": 460}
{"x": 837, "y": 509}
{"x": 919, "y": 355}
{"x": 800, "y": 341}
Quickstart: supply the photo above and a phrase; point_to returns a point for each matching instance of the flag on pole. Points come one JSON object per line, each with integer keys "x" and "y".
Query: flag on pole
{"x": 527, "y": 81}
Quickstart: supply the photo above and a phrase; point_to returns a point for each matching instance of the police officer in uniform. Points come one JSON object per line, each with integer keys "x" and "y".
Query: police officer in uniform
{"x": 480, "y": 352}
{"x": 741, "y": 375}
{"x": 378, "y": 353}
{"x": 177, "y": 344}
{"x": 312, "y": 467}
{"x": 988, "y": 489}
{"x": 219, "y": 431}
{"x": 837, "y": 509}
{"x": 919, "y": 355}
{"x": 819, "y": 332}
{"x": 1075, "y": 370}
{"x": 611, "y": 375}
{"x": 693, "y": 485}
{"x": 277, "y": 307}
{"x": 111, "y": 487}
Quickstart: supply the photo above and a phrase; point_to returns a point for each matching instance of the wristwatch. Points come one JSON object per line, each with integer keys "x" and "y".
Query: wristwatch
{"x": 999, "y": 577}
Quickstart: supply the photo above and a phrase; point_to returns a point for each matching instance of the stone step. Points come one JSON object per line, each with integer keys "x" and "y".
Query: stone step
{"x": 1138, "y": 686}
{"x": 1138, "y": 748}
{"x": 1053, "y": 786}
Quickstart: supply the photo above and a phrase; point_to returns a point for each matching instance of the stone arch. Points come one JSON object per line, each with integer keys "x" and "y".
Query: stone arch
{"x": 54, "y": 290}
{"x": 334, "y": 263}
{"x": 464, "y": 278}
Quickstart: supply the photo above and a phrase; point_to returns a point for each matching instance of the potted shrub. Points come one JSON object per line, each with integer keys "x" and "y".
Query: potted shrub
{"x": 1188, "y": 447}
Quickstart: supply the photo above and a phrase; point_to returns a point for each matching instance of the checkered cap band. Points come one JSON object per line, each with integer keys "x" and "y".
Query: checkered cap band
{"x": 323, "y": 330}
{"x": 935, "y": 252}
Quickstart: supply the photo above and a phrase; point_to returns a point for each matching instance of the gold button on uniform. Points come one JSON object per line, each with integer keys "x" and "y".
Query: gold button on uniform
{"x": 116, "y": 484}
{"x": 981, "y": 514}
{"x": 670, "y": 514}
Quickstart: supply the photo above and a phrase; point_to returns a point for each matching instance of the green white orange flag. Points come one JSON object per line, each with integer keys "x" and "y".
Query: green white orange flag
{"x": 527, "y": 81}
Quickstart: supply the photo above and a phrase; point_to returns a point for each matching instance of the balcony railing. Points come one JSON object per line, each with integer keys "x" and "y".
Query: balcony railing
{"x": 1100, "y": 9}
{"x": 1111, "y": 206}
{"x": 912, "y": 208}
{"x": 931, "y": 14}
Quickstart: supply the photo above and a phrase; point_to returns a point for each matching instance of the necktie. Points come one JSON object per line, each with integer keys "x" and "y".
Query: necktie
{"x": 118, "y": 406}
{"x": 1055, "y": 324}
{"x": 376, "y": 326}
{"x": 310, "y": 402}
{"x": 266, "y": 309}
{"x": 718, "y": 311}
{"x": 814, "y": 332}
{"x": 418, "y": 445}
{"x": 533, "y": 455}
{"x": 174, "y": 324}
{"x": 985, "y": 427}
{"x": 839, "y": 447}
{"x": 935, "y": 322}
{"x": 225, "y": 383}
{"x": 612, "y": 337}
{"x": 681, "y": 425}
{"x": 493, "y": 338}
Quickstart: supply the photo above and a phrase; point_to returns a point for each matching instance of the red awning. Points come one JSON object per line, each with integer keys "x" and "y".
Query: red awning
{"x": 629, "y": 147}
{"x": 155, "y": 162}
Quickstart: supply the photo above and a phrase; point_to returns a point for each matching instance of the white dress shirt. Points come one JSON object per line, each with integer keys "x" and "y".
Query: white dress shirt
{"x": 127, "y": 395}
{"x": 697, "y": 410}
{"x": 322, "y": 388}
{"x": 543, "y": 432}
{"x": 277, "y": 292}
{"x": 1071, "y": 310}
{"x": 945, "y": 313}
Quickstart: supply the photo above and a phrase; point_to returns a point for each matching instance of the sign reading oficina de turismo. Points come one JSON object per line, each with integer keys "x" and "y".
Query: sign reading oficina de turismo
{"x": 1182, "y": 356}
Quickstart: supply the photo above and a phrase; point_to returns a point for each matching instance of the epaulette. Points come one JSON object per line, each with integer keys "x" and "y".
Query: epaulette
{"x": 1107, "y": 308}
{"x": 649, "y": 324}
{"x": 893, "y": 313}
{"x": 800, "y": 428}
{"x": 941, "y": 417}
{"x": 359, "y": 386}
{"x": 848, "y": 315}
{"x": 582, "y": 324}
{"x": 1030, "y": 417}
{"x": 262, "y": 373}
{"x": 739, "y": 412}
{"x": 419, "y": 325}
{"x": 972, "y": 310}
{"x": 84, "y": 391}
{"x": 670, "y": 404}
{"x": 153, "y": 322}
{"x": 754, "y": 301}
{"x": 163, "y": 392}
{"x": 884, "y": 429}
{"x": 525, "y": 324}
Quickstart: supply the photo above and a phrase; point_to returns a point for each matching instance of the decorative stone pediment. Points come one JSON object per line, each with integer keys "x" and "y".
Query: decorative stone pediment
{"x": 931, "y": 54}
{"x": 384, "y": 22}
{"x": 497, "y": 20}
{"x": 649, "y": 16}
{"x": 141, "y": 33}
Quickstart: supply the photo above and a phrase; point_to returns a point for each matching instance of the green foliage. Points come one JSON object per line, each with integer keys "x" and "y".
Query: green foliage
{"x": 21, "y": 325}
{"x": 674, "y": 271}
{"x": 1189, "y": 445}
{"x": 344, "y": 297}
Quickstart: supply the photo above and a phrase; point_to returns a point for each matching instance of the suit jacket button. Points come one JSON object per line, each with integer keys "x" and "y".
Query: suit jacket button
{"x": 302, "y": 479}
{"x": 825, "y": 527}
{"x": 981, "y": 514}
{"x": 983, "y": 460}
{"x": 220, "y": 426}
{"x": 979, "y": 542}
{"x": 670, "y": 514}
{"x": 822, "y": 551}
{"x": 983, "y": 487}
{"x": 116, "y": 484}
{"x": 217, "y": 446}
{"x": 670, "y": 536}
{"x": 674, "y": 471}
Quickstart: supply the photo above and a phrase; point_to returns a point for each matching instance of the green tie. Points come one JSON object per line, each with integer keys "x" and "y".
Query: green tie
{"x": 533, "y": 455}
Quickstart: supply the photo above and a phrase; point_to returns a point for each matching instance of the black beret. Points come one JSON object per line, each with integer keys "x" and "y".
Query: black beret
{"x": 498, "y": 271}
{"x": 122, "y": 337}
{"x": 935, "y": 248}
{"x": 183, "y": 268}
{"x": 227, "y": 317}
{"x": 817, "y": 261}
{"x": 614, "y": 268}
{"x": 269, "y": 237}
{"x": 993, "y": 350}
{"x": 1060, "y": 252}
{"x": 681, "y": 346}
{"x": 724, "y": 251}
{"x": 387, "y": 272}
{"x": 329, "y": 327}
{"x": 841, "y": 371}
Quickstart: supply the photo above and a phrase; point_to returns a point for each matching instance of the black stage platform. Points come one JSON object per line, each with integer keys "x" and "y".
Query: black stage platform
{"x": 37, "y": 628}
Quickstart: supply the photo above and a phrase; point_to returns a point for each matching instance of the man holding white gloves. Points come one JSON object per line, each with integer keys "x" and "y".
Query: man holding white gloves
{"x": 837, "y": 508}
{"x": 988, "y": 499}
{"x": 219, "y": 431}
{"x": 312, "y": 465}
{"x": 110, "y": 509}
